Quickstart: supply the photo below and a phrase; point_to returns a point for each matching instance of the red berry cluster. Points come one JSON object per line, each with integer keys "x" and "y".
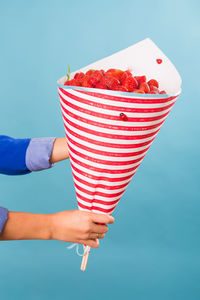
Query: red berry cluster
{"x": 116, "y": 80}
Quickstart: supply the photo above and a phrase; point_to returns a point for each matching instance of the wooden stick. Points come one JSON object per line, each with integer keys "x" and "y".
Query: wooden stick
{"x": 85, "y": 260}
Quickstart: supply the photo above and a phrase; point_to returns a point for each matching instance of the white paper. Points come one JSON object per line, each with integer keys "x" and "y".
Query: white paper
{"x": 141, "y": 58}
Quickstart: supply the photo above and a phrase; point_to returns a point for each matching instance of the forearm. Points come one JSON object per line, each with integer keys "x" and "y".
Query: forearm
{"x": 22, "y": 226}
{"x": 68, "y": 226}
{"x": 59, "y": 151}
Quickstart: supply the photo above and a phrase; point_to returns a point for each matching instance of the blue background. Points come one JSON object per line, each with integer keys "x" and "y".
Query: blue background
{"x": 152, "y": 250}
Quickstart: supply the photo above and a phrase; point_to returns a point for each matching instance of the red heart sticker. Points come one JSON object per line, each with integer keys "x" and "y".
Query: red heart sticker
{"x": 159, "y": 61}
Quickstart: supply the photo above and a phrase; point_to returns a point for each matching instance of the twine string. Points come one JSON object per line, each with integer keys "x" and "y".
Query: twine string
{"x": 85, "y": 249}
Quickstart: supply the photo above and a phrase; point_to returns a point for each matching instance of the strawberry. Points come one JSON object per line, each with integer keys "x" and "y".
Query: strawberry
{"x": 123, "y": 78}
{"x": 128, "y": 72}
{"x": 121, "y": 88}
{"x": 110, "y": 82}
{"x": 154, "y": 88}
{"x": 89, "y": 72}
{"x": 72, "y": 82}
{"x": 130, "y": 83}
{"x": 100, "y": 85}
{"x": 95, "y": 77}
{"x": 103, "y": 72}
{"x": 153, "y": 82}
{"x": 76, "y": 75}
{"x": 85, "y": 82}
{"x": 124, "y": 75}
{"x": 79, "y": 77}
{"x": 110, "y": 72}
{"x": 115, "y": 79}
{"x": 153, "y": 92}
{"x": 115, "y": 73}
{"x": 68, "y": 82}
{"x": 144, "y": 87}
{"x": 140, "y": 79}
{"x": 151, "y": 87}
{"x": 138, "y": 91}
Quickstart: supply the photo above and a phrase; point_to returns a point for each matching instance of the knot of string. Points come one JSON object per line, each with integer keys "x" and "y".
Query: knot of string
{"x": 85, "y": 249}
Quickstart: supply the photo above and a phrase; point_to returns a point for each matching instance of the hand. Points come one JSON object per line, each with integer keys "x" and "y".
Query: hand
{"x": 79, "y": 227}
{"x": 59, "y": 151}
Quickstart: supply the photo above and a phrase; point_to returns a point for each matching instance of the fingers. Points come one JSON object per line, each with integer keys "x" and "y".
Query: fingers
{"x": 91, "y": 243}
{"x": 96, "y": 236}
{"x": 99, "y": 228}
{"x": 102, "y": 218}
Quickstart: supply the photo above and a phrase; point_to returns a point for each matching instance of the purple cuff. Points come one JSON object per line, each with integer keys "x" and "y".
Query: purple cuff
{"x": 38, "y": 153}
{"x": 3, "y": 217}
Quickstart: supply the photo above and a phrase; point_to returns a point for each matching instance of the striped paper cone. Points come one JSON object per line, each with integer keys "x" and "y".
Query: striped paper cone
{"x": 106, "y": 149}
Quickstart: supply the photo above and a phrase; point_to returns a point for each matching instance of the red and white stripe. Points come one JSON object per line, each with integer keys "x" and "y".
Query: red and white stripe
{"x": 104, "y": 150}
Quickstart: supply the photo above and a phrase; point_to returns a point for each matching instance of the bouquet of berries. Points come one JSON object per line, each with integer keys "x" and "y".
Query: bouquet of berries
{"x": 115, "y": 80}
{"x": 111, "y": 118}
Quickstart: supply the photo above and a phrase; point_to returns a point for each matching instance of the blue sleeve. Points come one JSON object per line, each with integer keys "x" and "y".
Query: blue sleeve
{"x": 13, "y": 155}
{"x": 21, "y": 156}
{"x": 39, "y": 152}
{"x": 3, "y": 217}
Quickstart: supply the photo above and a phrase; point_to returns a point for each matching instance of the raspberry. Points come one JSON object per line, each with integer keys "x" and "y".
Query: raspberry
{"x": 144, "y": 87}
{"x": 162, "y": 92}
{"x": 153, "y": 82}
{"x": 110, "y": 82}
{"x": 130, "y": 83}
